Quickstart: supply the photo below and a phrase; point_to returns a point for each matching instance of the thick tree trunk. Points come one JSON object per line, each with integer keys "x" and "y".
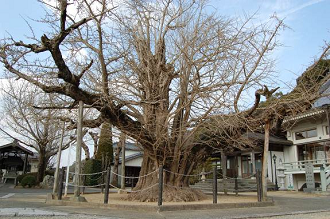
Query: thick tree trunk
{"x": 175, "y": 188}
{"x": 41, "y": 167}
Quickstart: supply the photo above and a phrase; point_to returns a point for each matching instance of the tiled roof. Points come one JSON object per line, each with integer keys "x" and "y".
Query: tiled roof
{"x": 128, "y": 146}
{"x": 15, "y": 146}
{"x": 307, "y": 114}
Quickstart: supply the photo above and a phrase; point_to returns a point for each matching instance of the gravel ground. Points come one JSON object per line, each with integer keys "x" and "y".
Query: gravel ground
{"x": 319, "y": 215}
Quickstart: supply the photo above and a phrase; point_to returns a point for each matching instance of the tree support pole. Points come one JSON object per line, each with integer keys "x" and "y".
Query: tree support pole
{"x": 122, "y": 180}
{"x": 265, "y": 161}
{"x": 58, "y": 161}
{"x": 76, "y": 192}
{"x": 67, "y": 174}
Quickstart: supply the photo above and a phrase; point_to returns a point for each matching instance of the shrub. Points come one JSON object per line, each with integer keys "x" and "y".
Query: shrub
{"x": 29, "y": 181}
{"x": 20, "y": 177}
{"x": 92, "y": 166}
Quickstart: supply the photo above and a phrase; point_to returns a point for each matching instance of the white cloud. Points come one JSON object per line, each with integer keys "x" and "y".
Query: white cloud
{"x": 295, "y": 9}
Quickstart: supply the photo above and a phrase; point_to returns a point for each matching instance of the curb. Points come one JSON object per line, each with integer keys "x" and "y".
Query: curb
{"x": 163, "y": 207}
{"x": 215, "y": 206}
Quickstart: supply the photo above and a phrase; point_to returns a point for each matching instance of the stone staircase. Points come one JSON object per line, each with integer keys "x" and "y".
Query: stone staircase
{"x": 244, "y": 185}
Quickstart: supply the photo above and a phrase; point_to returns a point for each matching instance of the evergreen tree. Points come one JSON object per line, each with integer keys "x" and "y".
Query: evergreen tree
{"x": 105, "y": 150}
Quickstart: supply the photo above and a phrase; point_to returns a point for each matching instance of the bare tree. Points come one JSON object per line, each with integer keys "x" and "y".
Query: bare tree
{"x": 35, "y": 128}
{"x": 155, "y": 71}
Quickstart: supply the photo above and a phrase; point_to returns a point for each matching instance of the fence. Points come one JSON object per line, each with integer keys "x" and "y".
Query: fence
{"x": 104, "y": 179}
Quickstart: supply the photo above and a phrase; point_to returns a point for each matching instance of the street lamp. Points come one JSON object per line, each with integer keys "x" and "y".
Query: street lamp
{"x": 276, "y": 185}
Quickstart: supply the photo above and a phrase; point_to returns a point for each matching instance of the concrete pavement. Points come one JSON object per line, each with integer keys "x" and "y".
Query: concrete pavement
{"x": 31, "y": 212}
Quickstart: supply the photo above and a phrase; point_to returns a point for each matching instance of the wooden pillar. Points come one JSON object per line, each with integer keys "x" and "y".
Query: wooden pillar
{"x": 25, "y": 163}
{"x": 265, "y": 162}
{"x": 76, "y": 191}
{"x": 224, "y": 171}
{"x": 253, "y": 161}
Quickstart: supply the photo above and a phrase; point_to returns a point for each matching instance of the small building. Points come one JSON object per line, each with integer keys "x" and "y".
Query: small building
{"x": 14, "y": 160}
{"x": 245, "y": 163}
{"x": 133, "y": 162}
{"x": 309, "y": 133}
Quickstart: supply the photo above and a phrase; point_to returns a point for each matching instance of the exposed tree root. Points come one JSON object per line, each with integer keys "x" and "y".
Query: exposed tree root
{"x": 170, "y": 194}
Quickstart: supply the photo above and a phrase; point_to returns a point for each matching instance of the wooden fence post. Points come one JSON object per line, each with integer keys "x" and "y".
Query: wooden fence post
{"x": 107, "y": 181}
{"x": 259, "y": 185}
{"x": 60, "y": 184}
{"x": 160, "y": 186}
{"x": 215, "y": 185}
{"x": 236, "y": 186}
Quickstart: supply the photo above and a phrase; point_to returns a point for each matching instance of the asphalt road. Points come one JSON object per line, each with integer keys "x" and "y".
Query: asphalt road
{"x": 286, "y": 206}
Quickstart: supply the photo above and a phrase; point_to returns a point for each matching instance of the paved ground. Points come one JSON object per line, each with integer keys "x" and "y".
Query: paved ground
{"x": 30, "y": 202}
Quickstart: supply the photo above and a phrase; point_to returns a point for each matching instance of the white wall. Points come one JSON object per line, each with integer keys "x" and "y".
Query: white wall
{"x": 291, "y": 153}
{"x": 271, "y": 164}
{"x": 307, "y": 124}
{"x": 134, "y": 163}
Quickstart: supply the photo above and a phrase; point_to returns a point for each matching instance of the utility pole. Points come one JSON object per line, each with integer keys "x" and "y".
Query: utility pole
{"x": 58, "y": 161}
{"x": 76, "y": 191}
{"x": 265, "y": 161}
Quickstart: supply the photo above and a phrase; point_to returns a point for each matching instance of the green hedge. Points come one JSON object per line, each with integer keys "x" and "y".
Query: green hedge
{"x": 29, "y": 181}
{"x": 92, "y": 166}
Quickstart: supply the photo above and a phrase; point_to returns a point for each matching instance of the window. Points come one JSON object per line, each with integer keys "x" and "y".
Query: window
{"x": 306, "y": 134}
{"x": 315, "y": 151}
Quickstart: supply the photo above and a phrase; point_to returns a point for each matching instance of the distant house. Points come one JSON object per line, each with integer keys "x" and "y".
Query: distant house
{"x": 133, "y": 162}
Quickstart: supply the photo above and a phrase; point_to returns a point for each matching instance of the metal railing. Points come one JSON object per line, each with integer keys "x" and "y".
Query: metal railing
{"x": 300, "y": 165}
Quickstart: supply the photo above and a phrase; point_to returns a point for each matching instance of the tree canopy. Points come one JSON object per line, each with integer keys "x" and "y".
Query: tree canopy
{"x": 159, "y": 72}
